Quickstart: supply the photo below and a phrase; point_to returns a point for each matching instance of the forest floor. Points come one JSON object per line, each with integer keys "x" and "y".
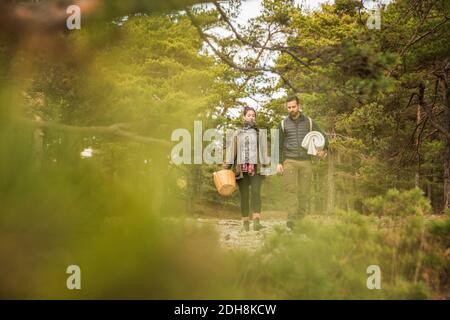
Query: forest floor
{"x": 227, "y": 221}
{"x": 232, "y": 236}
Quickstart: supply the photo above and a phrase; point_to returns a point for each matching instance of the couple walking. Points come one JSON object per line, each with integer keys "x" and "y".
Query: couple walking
{"x": 295, "y": 164}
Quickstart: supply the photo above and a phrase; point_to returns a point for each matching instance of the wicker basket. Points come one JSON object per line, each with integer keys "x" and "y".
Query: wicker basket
{"x": 225, "y": 182}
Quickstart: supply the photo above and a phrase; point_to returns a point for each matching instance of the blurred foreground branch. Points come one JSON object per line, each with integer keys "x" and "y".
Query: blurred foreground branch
{"x": 112, "y": 130}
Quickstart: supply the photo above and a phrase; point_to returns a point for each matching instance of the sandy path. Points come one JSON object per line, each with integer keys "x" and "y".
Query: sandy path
{"x": 232, "y": 235}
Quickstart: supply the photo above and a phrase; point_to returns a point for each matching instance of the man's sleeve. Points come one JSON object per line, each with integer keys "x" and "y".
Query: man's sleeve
{"x": 316, "y": 127}
{"x": 280, "y": 143}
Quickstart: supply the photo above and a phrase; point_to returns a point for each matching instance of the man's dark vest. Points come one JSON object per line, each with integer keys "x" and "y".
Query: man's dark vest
{"x": 294, "y": 131}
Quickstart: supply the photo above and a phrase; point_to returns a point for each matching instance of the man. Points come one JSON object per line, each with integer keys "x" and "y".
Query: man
{"x": 295, "y": 164}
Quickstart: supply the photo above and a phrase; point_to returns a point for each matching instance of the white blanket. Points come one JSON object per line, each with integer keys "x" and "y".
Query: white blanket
{"x": 313, "y": 142}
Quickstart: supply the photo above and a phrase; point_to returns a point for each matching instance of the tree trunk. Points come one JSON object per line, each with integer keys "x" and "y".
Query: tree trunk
{"x": 194, "y": 185}
{"x": 446, "y": 126}
{"x": 159, "y": 184}
{"x": 447, "y": 176}
{"x": 430, "y": 187}
{"x": 341, "y": 182}
{"x": 417, "y": 142}
{"x": 331, "y": 186}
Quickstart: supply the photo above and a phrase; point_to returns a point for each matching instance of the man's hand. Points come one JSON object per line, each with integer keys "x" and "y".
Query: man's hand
{"x": 321, "y": 154}
{"x": 280, "y": 169}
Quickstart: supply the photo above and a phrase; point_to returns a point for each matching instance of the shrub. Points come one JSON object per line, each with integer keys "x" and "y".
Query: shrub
{"x": 399, "y": 203}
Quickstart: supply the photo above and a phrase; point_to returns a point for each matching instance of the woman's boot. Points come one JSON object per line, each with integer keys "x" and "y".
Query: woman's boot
{"x": 256, "y": 222}
{"x": 246, "y": 225}
{"x": 257, "y": 225}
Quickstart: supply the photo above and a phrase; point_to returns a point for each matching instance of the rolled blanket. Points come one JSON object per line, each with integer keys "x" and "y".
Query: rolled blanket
{"x": 313, "y": 141}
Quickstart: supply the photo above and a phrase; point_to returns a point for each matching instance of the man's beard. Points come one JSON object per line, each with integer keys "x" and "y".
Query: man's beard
{"x": 295, "y": 114}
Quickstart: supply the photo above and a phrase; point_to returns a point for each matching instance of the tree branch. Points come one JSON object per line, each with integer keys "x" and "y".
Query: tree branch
{"x": 227, "y": 60}
{"x": 430, "y": 112}
{"x": 414, "y": 39}
{"x": 112, "y": 130}
{"x": 256, "y": 44}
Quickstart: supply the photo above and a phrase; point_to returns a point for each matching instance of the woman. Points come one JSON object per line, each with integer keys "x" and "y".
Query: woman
{"x": 248, "y": 170}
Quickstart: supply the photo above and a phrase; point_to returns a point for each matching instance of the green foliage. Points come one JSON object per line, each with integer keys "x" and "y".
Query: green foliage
{"x": 369, "y": 122}
{"x": 121, "y": 214}
{"x": 441, "y": 228}
{"x": 107, "y": 213}
{"x": 300, "y": 265}
{"x": 397, "y": 203}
